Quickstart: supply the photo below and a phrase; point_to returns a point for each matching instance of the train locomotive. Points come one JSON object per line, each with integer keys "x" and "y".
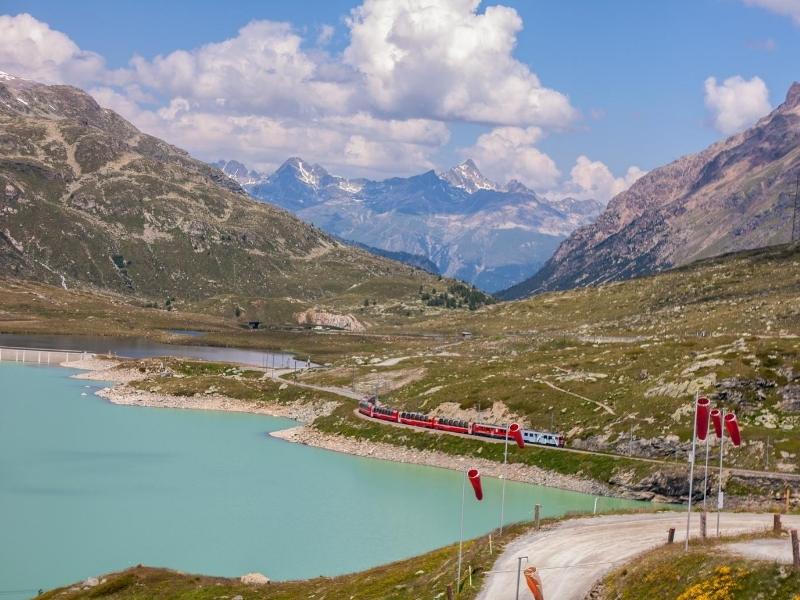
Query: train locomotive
{"x": 369, "y": 408}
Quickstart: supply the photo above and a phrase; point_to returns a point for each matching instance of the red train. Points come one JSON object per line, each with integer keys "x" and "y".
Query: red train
{"x": 415, "y": 419}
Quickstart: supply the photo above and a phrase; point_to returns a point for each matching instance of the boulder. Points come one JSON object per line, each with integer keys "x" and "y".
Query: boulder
{"x": 254, "y": 579}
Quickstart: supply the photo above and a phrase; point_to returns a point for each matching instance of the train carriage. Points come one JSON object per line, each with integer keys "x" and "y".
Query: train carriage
{"x": 368, "y": 407}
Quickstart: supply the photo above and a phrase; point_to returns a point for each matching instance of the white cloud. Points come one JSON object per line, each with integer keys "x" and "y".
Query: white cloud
{"x": 736, "y": 103}
{"x": 382, "y": 106}
{"x": 261, "y": 70}
{"x": 507, "y": 153}
{"x": 442, "y": 59}
{"x": 787, "y": 8}
{"x": 593, "y": 179}
{"x": 377, "y": 147}
{"x": 30, "y": 48}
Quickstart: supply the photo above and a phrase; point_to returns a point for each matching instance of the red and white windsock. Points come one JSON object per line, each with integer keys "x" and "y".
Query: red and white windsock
{"x": 515, "y": 433}
{"x": 716, "y": 421}
{"x": 475, "y": 479}
{"x": 701, "y": 414}
{"x": 732, "y": 425}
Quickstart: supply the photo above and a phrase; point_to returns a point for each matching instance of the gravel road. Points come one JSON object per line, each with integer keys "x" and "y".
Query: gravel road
{"x": 572, "y": 555}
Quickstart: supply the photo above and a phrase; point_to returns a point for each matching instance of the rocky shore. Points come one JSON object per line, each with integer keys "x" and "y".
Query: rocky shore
{"x": 129, "y": 396}
{"x": 516, "y": 472}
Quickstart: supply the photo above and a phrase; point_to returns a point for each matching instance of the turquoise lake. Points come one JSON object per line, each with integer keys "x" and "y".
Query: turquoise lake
{"x": 87, "y": 487}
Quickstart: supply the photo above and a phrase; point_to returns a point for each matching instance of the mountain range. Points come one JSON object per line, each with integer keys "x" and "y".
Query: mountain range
{"x": 89, "y": 201}
{"x": 738, "y": 194}
{"x": 469, "y": 227}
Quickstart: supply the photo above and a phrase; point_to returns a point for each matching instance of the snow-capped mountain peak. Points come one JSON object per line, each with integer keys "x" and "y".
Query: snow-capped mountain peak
{"x": 310, "y": 175}
{"x": 467, "y": 177}
{"x": 5, "y": 76}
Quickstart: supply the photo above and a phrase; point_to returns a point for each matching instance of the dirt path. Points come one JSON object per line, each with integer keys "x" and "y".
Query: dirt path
{"x": 571, "y": 556}
{"x": 277, "y": 375}
{"x": 605, "y": 407}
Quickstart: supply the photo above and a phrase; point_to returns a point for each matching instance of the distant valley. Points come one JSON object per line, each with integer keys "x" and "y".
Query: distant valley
{"x": 463, "y": 224}
{"x": 738, "y": 194}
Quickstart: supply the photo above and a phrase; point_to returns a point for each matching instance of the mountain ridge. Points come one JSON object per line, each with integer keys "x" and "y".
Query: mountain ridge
{"x": 736, "y": 194}
{"x": 89, "y": 201}
{"x": 468, "y": 226}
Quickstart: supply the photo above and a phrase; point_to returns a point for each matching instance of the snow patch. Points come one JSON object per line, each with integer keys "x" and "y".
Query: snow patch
{"x": 5, "y": 76}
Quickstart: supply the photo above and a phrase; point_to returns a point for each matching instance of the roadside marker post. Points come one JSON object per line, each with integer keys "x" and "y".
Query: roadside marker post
{"x": 536, "y": 515}
{"x": 795, "y": 550}
{"x": 519, "y": 571}
{"x": 671, "y": 535}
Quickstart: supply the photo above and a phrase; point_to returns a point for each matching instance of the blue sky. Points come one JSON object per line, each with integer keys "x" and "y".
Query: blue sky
{"x": 633, "y": 72}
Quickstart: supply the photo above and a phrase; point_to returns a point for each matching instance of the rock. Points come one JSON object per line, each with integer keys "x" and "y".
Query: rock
{"x": 315, "y": 316}
{"x": 91, "y": 582}
{"x": 237, "y": 597}
{"x": 254, "y": 579}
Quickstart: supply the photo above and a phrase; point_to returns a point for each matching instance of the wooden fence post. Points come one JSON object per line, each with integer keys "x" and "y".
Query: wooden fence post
{"x": 671, "y": 535}
{"x": 795, "y": 550}
{"x": 703, "y": 525}
{"x": 537, "y": 514}
{"x": 776, "y": 523}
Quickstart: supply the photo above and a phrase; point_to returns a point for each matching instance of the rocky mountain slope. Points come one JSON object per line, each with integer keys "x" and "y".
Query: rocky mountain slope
{"x": 737, "y": 194}
{"x": 87, "y": 200}
{"x": 470, "y": 227}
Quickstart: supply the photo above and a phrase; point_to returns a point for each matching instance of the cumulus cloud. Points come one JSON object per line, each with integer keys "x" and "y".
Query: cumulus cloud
{"x": 442, "y": 59}
{"x": 593, "y": 179}
{"x": 507, "y": 153}
{"x": 787, "y": 8}
{"x": 382, "y": 105}
{"x": 29, "y": 47}
{"x": 736, "y": 103}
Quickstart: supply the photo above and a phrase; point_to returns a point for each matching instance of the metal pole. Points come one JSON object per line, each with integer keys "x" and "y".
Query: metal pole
{"x": 691, "y": 476}
{"x": 503, "y": 494}
{"x": 461, "y": 535}
{"x": 719, "y": 476}
{"x": 519, "y": 571}
{"x": 705, "y": 478}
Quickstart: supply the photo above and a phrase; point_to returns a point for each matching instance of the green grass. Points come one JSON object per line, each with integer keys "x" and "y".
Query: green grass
{"x": 704, "y": 573}
{"x": 424, "y": 576}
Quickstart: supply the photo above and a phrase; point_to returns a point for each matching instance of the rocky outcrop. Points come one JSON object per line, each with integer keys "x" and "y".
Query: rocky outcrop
{"x": 321, "y": 318}
{"x": 737, "y": 194}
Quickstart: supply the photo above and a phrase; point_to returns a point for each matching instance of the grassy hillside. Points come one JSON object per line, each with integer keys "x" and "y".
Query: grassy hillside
{"x": 616, "y": 367}
{"x": 89, "y": 202}
{"x": 425, "y": 576}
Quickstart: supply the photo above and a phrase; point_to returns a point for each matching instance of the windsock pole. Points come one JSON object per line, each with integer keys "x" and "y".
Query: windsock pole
{"x": 719, "y": 475}
{"x": 503, "y": 494}
{"x": 461, "y": 535}
{"x": 705, "y": 478}
{"x": 691, "y": 475}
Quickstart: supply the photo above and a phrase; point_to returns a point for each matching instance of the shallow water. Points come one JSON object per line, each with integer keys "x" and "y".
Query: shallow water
{"x": 142, "y": 348}
{"x": 88, "y": 487}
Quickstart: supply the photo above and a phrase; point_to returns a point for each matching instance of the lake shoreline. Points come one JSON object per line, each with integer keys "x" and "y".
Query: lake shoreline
{"x": 305, "y": 413}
